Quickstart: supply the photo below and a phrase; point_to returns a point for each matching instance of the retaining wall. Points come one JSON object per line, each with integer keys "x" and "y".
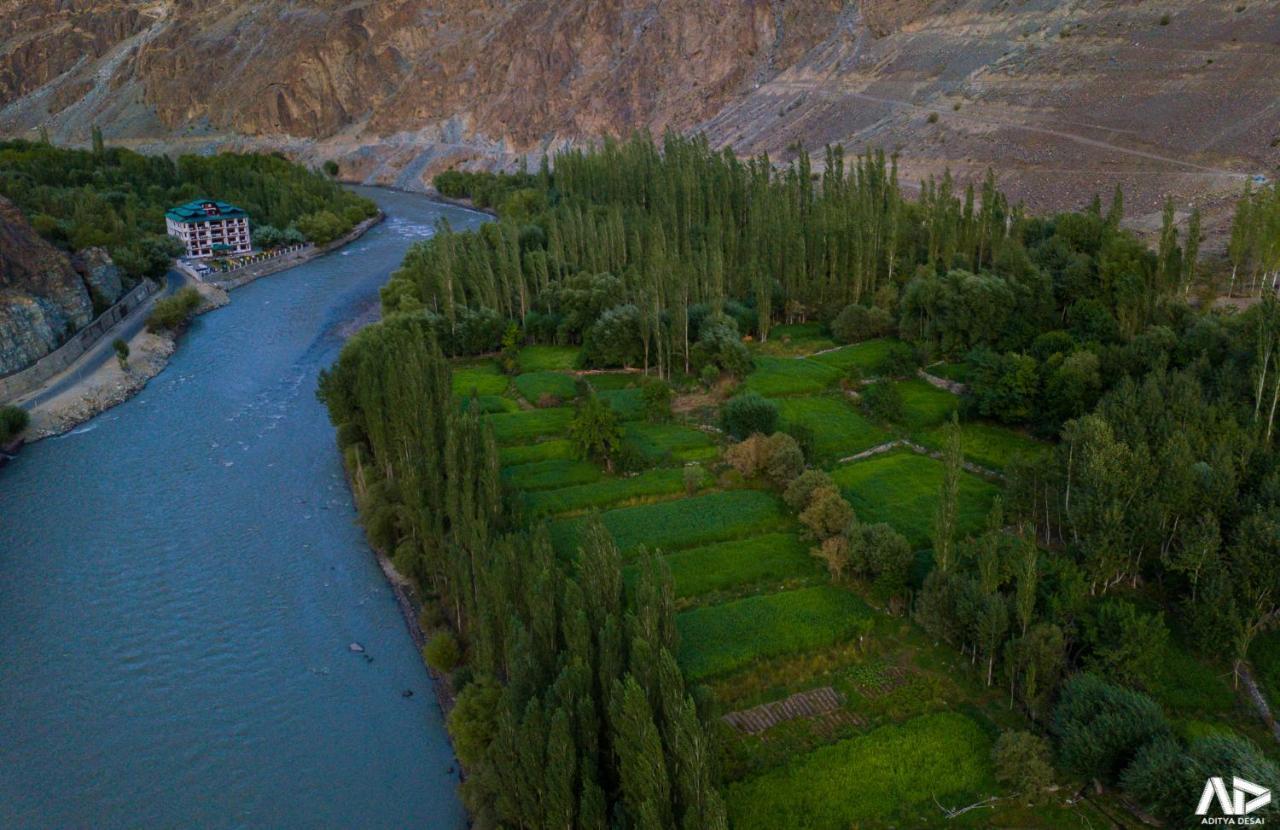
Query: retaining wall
{"x": 23, "y": 381}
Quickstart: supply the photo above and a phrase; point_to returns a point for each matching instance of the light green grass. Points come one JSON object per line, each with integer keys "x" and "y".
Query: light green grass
{"x": 628, "y": 404}
{"x": 605, "y": 492}
{"x": 770, "y": 558}
{"x": 524, "y": 427}
{"x": 797, "y": 338}
{"x": 669, "y": 442}
{"x": 556, "y": 448}
{"x": 547, "y": 358}
{"x": 480, "y": 379}
{"x": 986, "y": 444}
{"x": 865, "y": 355}
{"x": 546, "y": 475}
{"x": 718, "y": 639}
{"x": 901, "y": 488}
{"x": 889, "y": 776}
{"x": 924, "y": 405}
{"x": 775, "y": 376}
{"x": 533, "y": 385}
{"x": 684, "y": 523}
{"x": 838, "y": 430}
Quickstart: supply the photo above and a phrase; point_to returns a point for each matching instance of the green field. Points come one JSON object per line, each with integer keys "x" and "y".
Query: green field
{"x": 547, "y": 358}
{"x": 901, "y": 488}
{"x": 524, "y": 427}
{"x": 489, "y": 404}
{"x": 533, "y": 385}
{"x": 663, "y": 442}
{"x": 986, "y": 444}
{"x": 607, "y": 381}
{"x": 890, "y": 775}
{"x": 865, "y": 355}
{"x": 603, "y": 492}
{"x": 959, "y": 372}
{"x": 776, "y": 376}
{"x": 556, "y": 448}
{"x": 924, "y": 405}
{"x": 770, "y": 558}
{"x": 718, "y": 639}
{"x": 545, "y": 475}
{"x": 627, "y": 403}
{"x": 672, "y": 525}
{"x": 796, "y": 338}
{"x": 479, "y": 379}
{"x": 838, "y": 429}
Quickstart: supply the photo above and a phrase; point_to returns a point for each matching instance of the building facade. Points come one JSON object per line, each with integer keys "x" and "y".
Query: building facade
{"x": 209, "y": 228}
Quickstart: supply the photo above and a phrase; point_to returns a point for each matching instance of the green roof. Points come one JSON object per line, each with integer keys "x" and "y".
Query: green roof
{"x": 205, "y": 210}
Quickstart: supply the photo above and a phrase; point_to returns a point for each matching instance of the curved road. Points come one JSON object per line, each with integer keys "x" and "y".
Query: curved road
{"x": 102, "y": 351}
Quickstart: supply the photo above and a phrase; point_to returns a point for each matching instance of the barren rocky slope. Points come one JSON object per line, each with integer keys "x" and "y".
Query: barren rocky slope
{"x": 1063, "y": 97}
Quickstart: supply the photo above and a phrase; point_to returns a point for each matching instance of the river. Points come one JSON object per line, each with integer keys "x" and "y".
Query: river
{"x": 182, "y": 577}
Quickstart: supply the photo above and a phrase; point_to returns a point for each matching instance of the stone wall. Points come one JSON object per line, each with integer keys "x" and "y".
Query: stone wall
{"x": 20, "y": 383}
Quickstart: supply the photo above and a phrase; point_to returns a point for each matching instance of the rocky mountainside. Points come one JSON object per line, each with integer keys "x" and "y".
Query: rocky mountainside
{"x": 1062, "y": 97}
{"x": 44, "y": 295}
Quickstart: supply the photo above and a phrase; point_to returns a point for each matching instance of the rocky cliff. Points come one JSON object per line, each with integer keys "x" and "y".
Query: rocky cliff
{"x": 43, "y": 297}
{"x": 1063, "y": 98}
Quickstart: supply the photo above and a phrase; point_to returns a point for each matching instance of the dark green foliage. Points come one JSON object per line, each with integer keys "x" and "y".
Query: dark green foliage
{"x": 1123, "y": 643}
{"x": 1165, "y": 777}
{"x": 172, "y": 313}
{"x": 899, "y": 361}
{"x": 13, "y": 420}
{"x": 747, "y": 414}
{"x": 1022, "y": 762}
{"x": 858, "y": 322}
{"x": 883, "y": 400}
{"x": 1101, "y": 728}
{"x": 116, "y": 198}
{"x": 657, "y": 401}
{"x": 442, "y": 652}
{"x": 594, "y": 431}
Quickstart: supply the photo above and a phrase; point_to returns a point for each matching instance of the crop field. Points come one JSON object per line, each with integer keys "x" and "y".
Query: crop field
{"x": 533, "y": 385}
{"x": 796, "y": 338}
{"x": 890, "y": 775}
{"x": 986, "y": 444}
{"x": 959, "y": 372}
{"x": 776, "y": 376}
{"x": 607, "y": 381}
{"x": 865, "y": 355}
{"x": 547, "y": 358}
{"x": 555, "y": 448}
{"x": 545, "y": 475}
{"x": 718, "y": 639}
{"x": 770, "y": 558}
{"x": 478, "y": 379}
{"x": 660, "y": 442}
{"x": 901, "y": 488}
{"x": 685, "y": 523}
{"x": 523, "y": 427}
{"x": 489, "y": 404}
{"x": 924, "y": 405}
{"x": 604, "y": 492}
{"x": 628, "y": 404}
{"x": 838, "y": 429}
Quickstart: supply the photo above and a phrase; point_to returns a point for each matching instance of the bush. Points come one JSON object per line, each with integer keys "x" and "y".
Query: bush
{"x": 1124, "y": 644}
{"x": 826, "y": 515}
{"x": 800, "y": 492}
{"x": 12, "y": 422}
{"x": 709, "y": 375}
{"x": 747, "y": 414}
{"x": 657, "y": 401}
{"x": 883, "y": 400}
{"x": 473, "y": 720}
{"x": 330, "y": 167}
{"x": 172, "y": 313}
{"x": 1101, "y": 727}
{"x": 783, "y": 459}
{"x": 1022, "y": 762}
{"x": 747, "y": 456}
{"x": 898, "y": 362}
{"x": 693, "y": 475}
{"x": 442, "y": 652}
{"x": 858, "y": 322}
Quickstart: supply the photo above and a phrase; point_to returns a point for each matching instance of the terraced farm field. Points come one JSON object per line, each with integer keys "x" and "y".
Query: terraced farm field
{"x": 548, "y": 450}
{"x": 479, "y": 379}
{"x": 550, "y": 474}
{"x": 901, "y": 487}
{"x": 989, "y": 445}
{"x": 534, "y": 385}
{"x": 838, "y": 429}
{"x": 660, "y": 442}
{"x": 524, "y": 427}
{"x": 776, "y": 376}
{"x": 770, "y": 558}
{"x": 604, "y": 492}
{"x": 718, "y": 639}
{"x": 924, "y": 405}
{"x": 866, "y": 355}
{"x": 547, "y": 358}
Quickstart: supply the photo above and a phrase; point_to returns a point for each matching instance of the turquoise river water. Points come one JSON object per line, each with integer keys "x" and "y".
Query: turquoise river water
{"x": 182, "y": 577}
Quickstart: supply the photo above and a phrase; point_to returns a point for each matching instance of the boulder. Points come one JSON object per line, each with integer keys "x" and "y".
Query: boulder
{"x": 100, "y": 275}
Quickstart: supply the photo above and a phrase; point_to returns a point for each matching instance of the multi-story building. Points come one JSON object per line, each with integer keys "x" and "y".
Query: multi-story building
{"x": 209, "y": 228}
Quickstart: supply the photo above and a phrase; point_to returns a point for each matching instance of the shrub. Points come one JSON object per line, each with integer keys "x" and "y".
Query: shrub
{"x": 442, "y": 652}
{"x": 330, "y": 167}
{"x": 879, "y": 552}
{"x": 747, "y": 414}
{"x": 693, "y": 476}
{"x": 747, "y": 456}
{"x": 858, "y": 322}
{"x": 172, "y": 313}
{"x": 783, "y": 458}
{"x": 827, "y": 514}
{"x": 800, "y": 492}
{"x": 473, "y": 720}
{"x": 899, "y": 361}
{"x": 720, "y": 345}
{"x": 1163, "y": 773}
{"x": 883, "y": 400}
{"x": 13, "y": 421}
{"x": 709, "y": 375}
{"x": 1124, "y": 644}
{"x": 1101, "y": 727}
{"x": 657, "y": 401}
{"x": 1022, "y": 762}
{"x": 594, "y": 431}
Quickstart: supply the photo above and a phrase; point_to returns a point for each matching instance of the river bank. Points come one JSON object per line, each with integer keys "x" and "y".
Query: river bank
{"x": 111, "y": 384}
